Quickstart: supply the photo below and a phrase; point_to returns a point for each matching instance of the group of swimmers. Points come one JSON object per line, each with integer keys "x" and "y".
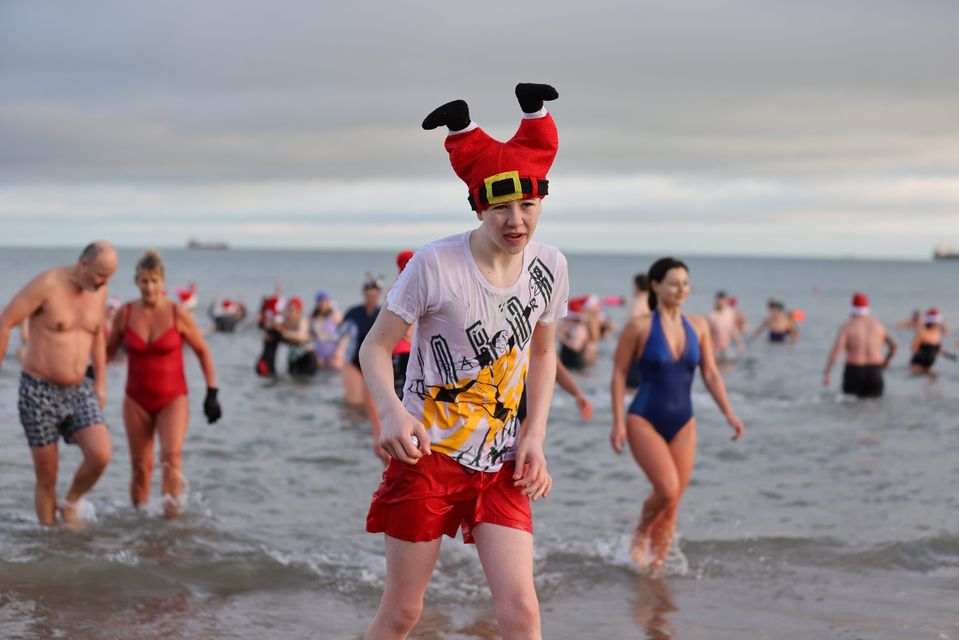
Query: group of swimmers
{"x": 459, "y": 419}
{"x": 72, "y": 334}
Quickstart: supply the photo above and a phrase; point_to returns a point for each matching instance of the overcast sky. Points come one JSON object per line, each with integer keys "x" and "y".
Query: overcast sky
{"x": 761, "y": 127}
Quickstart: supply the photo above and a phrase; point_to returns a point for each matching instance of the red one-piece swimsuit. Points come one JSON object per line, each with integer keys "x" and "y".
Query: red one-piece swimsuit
{"x": 155, "y": 369}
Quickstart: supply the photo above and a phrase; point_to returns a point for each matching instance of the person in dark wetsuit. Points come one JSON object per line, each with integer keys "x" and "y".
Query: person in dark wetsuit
{"x": 660, "y": 426}
{"x": 927, "y": 343}
{"x": 862, "y": 339}
{"x": 356, "y": 324}
{"x": 271, "y": 309}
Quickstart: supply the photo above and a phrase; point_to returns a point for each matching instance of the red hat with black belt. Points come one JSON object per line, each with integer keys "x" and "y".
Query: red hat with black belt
{"x": 497, "y": 171}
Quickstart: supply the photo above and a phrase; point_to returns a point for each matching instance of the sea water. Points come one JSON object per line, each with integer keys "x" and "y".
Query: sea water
{"x": 832, "y": 517}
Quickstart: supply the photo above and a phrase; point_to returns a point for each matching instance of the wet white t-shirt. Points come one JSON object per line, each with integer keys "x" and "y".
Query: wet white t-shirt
{"x": 470, "y": 355}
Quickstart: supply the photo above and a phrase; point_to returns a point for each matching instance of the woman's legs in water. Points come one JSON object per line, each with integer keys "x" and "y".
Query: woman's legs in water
{"x": 683, "y": 449}
{"x": 139, "y": 427}
{"x": 668, "y": 467}
{"x": 171, "y": 426}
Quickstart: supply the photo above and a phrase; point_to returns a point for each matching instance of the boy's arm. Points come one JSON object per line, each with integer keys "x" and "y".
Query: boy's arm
{"x": 531, "y": 472}
{"x": 377, "y": 364}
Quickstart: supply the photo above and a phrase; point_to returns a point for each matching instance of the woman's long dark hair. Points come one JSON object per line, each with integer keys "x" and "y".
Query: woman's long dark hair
{"x": 657, "y": 272}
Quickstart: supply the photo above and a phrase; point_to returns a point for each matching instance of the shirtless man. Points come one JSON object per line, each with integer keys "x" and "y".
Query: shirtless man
{"x": 862, "y": 338}
{"x": 65, "y": 308}
{"x": 723, "y": 327}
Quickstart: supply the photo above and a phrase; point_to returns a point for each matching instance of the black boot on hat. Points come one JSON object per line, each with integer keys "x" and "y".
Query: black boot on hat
{"x": 531, "y": 96}
{"x": 455, "y": 115}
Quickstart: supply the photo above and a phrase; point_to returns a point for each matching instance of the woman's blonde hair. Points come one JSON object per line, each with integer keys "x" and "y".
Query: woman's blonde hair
{"x": 150, "y": 261}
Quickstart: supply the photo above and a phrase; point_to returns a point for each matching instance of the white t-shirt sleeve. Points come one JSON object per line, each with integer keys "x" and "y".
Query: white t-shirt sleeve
{"x": 558, "y": 303}
{"x": 410, "y": 297}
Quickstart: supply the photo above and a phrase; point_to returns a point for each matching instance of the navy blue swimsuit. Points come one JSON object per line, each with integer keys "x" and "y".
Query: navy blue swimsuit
{"x": 664, "y": 396}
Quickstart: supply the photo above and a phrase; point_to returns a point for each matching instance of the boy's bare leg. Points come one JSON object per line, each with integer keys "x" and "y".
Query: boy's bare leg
{"x": 409, "y": 567}
{"x": 507, "y": 557}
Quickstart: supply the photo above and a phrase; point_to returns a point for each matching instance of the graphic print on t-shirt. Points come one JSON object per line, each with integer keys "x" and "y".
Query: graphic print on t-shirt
{"x": 483, "y": 391}
{"x": 471, "y": 347}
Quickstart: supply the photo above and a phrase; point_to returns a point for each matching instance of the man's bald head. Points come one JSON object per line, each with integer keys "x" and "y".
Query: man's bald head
{"x": 98, "y": 261}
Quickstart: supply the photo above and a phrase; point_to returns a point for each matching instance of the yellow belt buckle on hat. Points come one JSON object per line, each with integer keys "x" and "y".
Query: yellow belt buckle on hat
{"x": 508, "y": 175}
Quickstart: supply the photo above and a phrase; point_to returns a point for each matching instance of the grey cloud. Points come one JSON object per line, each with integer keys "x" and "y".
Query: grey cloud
{"x": 188, "y": 92}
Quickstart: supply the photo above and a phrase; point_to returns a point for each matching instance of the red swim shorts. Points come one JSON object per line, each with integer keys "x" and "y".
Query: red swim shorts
{"x": 420, "y": 502}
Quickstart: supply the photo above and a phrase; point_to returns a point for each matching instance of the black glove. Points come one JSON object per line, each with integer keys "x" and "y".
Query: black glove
{"x": 211, "y": 407}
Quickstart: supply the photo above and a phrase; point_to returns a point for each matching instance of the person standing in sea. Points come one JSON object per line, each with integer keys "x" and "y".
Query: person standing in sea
{"x": 485, "y": 304}
{"x": 154, "y": 330}
{"x": 862, "y": 338}
{"x": 356, "y": 323}
{"x": 64, "y": 308}
{"x": 660, "y": 426}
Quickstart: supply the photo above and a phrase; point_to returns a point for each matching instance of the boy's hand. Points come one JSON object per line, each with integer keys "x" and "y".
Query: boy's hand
{"x": 396, "y": 437}
{"x": 530, "y": 473}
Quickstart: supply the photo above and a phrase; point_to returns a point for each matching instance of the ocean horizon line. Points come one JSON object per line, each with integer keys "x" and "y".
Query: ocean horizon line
{"x": 229, "y": 246}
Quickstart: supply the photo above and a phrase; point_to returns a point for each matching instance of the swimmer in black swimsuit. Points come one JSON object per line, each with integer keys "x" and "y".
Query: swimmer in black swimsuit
{"x": 779, "y": 324}
{"x": 927, "y": 343}
{"x": 861, "y": 338}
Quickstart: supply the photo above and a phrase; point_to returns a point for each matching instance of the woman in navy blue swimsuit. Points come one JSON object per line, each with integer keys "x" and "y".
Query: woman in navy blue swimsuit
{"x": 660, "y": 426}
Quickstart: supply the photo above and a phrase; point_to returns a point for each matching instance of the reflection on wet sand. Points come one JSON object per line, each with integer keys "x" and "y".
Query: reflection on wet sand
{"x": 652, "y": 605}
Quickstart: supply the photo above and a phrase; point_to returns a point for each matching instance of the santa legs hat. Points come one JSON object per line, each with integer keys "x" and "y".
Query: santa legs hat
{"x": 497, "y": 171}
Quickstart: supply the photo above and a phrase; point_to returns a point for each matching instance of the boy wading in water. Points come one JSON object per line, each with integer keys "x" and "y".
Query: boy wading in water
{"x": 485, "y": 304}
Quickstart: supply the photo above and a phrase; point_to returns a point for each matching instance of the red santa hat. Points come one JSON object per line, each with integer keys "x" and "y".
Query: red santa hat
{"x": 933, "y": 316}
{"x": 860, "y": 304}
{"x": 497, "y": 171}
{"x": 402, "y": 258}
{"x": 494, "y": 171}
{"x": 576, "y": 305}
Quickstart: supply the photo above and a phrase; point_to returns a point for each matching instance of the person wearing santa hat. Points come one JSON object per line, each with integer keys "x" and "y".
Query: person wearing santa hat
{"x": 862, "y": 338}
{"x": 226, "y": 314}
{"x": 485, "y": 304}
{"x": 927, "y": 343}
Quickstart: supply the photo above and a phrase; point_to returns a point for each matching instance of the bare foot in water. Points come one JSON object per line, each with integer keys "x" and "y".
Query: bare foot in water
{"x": 657, "y": 567}
{"x": 660, "y": 549}
{"x": 639, "y": 549}
{"x": 69, "y": 516}
{"x": 171, "y": 507}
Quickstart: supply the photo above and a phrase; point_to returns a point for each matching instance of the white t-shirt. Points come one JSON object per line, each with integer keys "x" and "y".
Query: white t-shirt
{"x": 467, "y": 368}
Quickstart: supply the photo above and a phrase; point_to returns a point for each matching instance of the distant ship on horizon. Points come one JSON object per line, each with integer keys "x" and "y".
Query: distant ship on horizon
{"x": 194, "y": 243}
{"x": 944, "y": 252}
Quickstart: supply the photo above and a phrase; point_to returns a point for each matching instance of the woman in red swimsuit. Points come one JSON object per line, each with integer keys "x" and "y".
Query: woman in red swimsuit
{"x": 153, "y": 330}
